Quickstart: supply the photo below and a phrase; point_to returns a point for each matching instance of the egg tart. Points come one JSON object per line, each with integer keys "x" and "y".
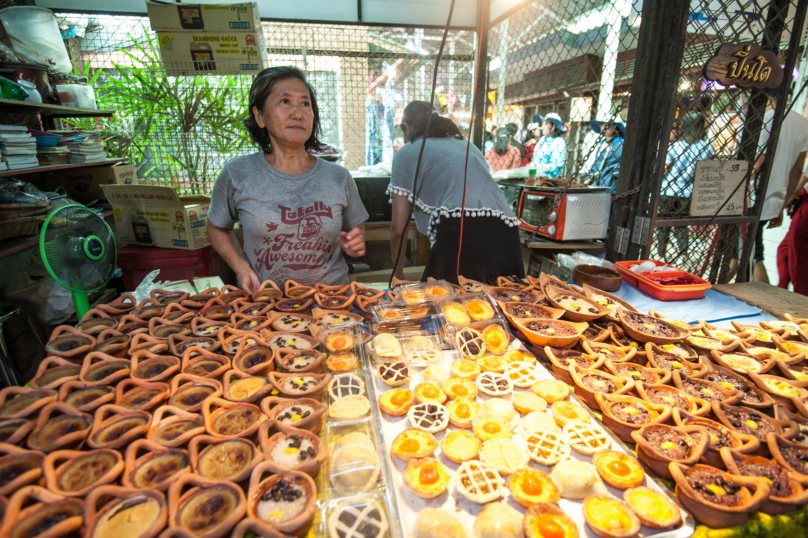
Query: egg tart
{"x": 518, "y": 355}
{"x": 487, "y": 427}
{"x": 479, "y": 482}
{"x": 619, "y": 470}
{"x": 522, "y": 374}
{"x": 460, "y": 445}
{"x": 349, "y": 407}
{"x": 551, "y": 390}
{"x": 413, "y": 443}
{"x": 470, "y": 343}
{"x": 494, "y": 384}
{"x": 429, "y": 393}
{"x": 546, "y": 447}
{"x": 492, "y": 363}
{"x": 480, "y": 310}
{"x": 396, "y": 402}
{"x": 465, "y": 368}
{"x": 530, "y": 486}
{"x": 426, "y": 477}
{"x": 429, "y": 417}
{"x": 341, "y": 361}
{"x": 547, "y": 520}
{"x": 463, "y": 411}
{"x": 456, "y": 314}
{"x": 610, "y": 518}
{"x": 394, "y": 374}
{"x": 496, "y": 339}
{"x": 586, "y": 438}
{"x": 339, "y": 341}
{"x": 457, "y": 387}
{"x": 528, "y": 402}
{"x": 564, "y": 412}
{"x": 504, "y": 455}
{"x": 652, "y": 508}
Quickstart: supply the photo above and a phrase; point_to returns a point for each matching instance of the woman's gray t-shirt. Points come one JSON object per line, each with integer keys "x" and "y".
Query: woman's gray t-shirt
{"x": 440, "y": 183}
{"x": 291, "y": 223}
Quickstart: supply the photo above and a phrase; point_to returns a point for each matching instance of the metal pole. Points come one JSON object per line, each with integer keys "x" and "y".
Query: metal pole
{"x": 503, "y": 62}
{"x": 480, "y": 105}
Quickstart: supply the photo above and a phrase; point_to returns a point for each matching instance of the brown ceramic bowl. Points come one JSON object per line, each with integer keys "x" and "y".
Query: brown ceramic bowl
{"x": 59, "y": 426}
{"x": 200, "y": 362}
{"x": 742, "y": 363}
{"x": 673, "y": 398}
{"x": 312, "y": 384}
{"x": 659, "y": 358}
{"x": 161, "y": 328}
{"x": 611, "y": 352}
{"x": 616, "y": 419}
{"x": 14, "y": 431}
{"x": 780, "y": 389}
{"x": 206, "y": 327}
{"x": 114, "y": 426}
{"x": 178, "y": 343}
{"x": 148, "y": 309}
{"x": 106, "y": 507}
{"x": 791, "y": 495}
{"x": 220, "y": 459}
{"x": 790, "y": 455}
{"x": 741, "y": 420}
{"x": 147, "y": 342}
{"x": 69, "y": 343}
{"x": 283, "y": 341}
{"x": 335, "y": 302}
{"x": 293, "y": 304}
{"x": 230, "y": 293}
{"x": 54, "y": 372}
{"x": 313, "y": 361}
{"x": 189, "y": 392}
{"x": 521, "y": 310}
{"x": 585, "y": 309}
{"x": 96, "y": 321}
{"x": 197, "y": 302}
{"x": 796, "y": 349}
{"x": 113, "y": 343}
{"x": 132, "y": 325}
{"x": 597, "y": 277}
{"x": 142, "y": 395}
{"x": 225, "y": 419}
{"x": 542, "y": 332}
{"x": 649, "y": 376}
{"x": 266, "y": 291}
{"x": 148, "y": 366}
{"x": 74, "y": 473}
{"x": 720, "y": 437}
{"x": 590, "y": 382}
{"x": 209, "y": 508}
{"x": 33, "y": 508}
{"x": 150, "y": 465}
{"x": 179, "y": 314}
{"x": 20, "y": 402}
{"x": 635, "y": 325}
{"x": 241, "y": 387}
{"x": 801, "y": 437}
{"x": 231, "y": 340}
{"x": 706, "y": 344}
{"x": 258, "y": 359}
{"x": 18, "y": 467}
{"x": 706, "y": 390}
{"x": 562, "y": 359}
{"x": 101, "y": 369}
{"x": 752, "y": 395}
{"x": 216, "y": 310}
{"x": 651, "y": 452}
{"x": 302, "y": 413}
{"x": 251, "y": 527}
{"x": 174, "y": 427}
{"x": 310, "y": 464}
{"x": 85, "y": 398}
{"x": 280, "y": 477}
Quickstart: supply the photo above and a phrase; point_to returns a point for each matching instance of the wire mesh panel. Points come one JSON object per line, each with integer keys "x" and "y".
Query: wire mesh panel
{"x": 180, "y": 130}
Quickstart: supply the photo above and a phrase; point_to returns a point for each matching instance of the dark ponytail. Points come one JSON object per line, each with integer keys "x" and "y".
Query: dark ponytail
{"x": 438, "y": 127}
{"x": 502, "y": 143}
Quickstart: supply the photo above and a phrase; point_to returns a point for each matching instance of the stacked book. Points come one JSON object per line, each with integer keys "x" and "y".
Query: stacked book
{"x": 85, "y": 147}
{"x": 19, "y": 147}
{"x": 53, "y": 156}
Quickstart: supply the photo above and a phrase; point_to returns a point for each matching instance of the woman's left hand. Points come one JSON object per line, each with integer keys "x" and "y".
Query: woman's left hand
{"x": 353, "y": 242}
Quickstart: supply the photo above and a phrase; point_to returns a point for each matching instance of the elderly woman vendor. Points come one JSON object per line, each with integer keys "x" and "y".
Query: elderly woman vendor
{"x": 298, "y": 213}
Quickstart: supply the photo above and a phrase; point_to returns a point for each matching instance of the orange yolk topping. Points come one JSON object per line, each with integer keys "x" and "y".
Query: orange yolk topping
{"x": 437, "y": 291}
{"x": 465, "y": 367}
{"x": 492, "y": 427}
{"x": 339, "y": 342}
{"x": 494, "y": 339}
{"x": 463, "y": 411}
{"x": 475, "y": 308}
{"x": 618, "y": 468}
{"x": 390, "y": 314}
{"x": 567, "y": 412}
{"x": 548, "y": 526}
{"x": 399, "y": 398}
{"x": 409, "y": 445}
{"x": 428, "y": 475}
{"x": 460, "y": 390}
{"x": 532, "y": 485}
{"x": 430, "y": 391}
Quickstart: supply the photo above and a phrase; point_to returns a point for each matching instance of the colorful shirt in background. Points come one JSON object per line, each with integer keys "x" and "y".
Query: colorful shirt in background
{"x": 683, "y": 158}
{"x": 549, "y": 156}
{"x": 506, "y": 161}
{"x": 606, "y": 166}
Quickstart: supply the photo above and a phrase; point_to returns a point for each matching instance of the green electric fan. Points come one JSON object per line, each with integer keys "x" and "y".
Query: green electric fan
{"x": 78, "y": 249}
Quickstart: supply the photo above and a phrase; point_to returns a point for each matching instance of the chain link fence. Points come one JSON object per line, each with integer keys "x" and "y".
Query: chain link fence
{"x": 180, "y": 131}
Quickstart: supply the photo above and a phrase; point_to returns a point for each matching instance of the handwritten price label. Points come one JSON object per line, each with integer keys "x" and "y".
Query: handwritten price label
{"x": 714, "y": 183}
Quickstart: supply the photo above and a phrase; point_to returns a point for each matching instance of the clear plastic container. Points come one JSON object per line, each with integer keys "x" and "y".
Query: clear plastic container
{"x": 35, "y": 37}
{"x": 401, "y": 311}
{"x": 426, "y": 291}
{"x": 354, "y": 460}
{"x": 469, "y": 308}
{"x": 364, "y": 511}
{"x": 502, "y": 339}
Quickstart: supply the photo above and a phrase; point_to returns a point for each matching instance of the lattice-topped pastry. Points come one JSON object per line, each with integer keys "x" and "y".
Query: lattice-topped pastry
{"x": 346, "y": 385}
{"x": 494, "y": 384}
{"x": 470, "y": 343}
{"x": 394, "y": 374}
{"x": 361, "y": 520}
{"x": 479, "y": 482}
{"x": 586, "y": 438}
{"x": 522, "y": 374}
{"x": 504, "y": 455}
{"x": 429, "y": 417}
{"x": 546, "y": 447}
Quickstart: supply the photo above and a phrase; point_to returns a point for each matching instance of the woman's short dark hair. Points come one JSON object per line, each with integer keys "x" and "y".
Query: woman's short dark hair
{"x": 692, "y": 128}
{"x": 261, "y": 89}
{"x": 511, "y": 128}
{"x": 503, "y": 142}
{"x": 413, "y": 110}
{"x": 438, "y": 127}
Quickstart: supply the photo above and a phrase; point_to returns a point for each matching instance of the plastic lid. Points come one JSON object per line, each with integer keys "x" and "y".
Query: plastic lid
{"x": 531, "y": 171}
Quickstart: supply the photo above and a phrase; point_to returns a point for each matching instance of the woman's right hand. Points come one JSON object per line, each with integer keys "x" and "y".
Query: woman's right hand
{"x": 248, "y": 280}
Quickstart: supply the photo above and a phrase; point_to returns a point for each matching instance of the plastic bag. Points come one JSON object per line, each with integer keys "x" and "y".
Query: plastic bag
{"x": 12, "y": 90}
{"x": 39, "y": 294}
{"x": 144, "y": 289}
{"x": 13, "y": 191}
{"x": 577, "y": 258}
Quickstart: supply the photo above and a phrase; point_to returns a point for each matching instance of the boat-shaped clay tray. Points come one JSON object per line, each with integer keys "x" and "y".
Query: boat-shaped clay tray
{"x": 452, "y": 501}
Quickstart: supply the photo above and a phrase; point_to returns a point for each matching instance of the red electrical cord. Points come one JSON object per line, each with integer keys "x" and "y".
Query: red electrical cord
{"x": 468, "y": 142}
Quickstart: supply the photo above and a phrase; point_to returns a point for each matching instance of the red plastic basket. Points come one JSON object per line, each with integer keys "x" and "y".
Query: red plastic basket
{"x": 657, "y": 290}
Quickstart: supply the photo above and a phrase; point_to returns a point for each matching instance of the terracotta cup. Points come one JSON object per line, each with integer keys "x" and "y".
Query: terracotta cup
{"x": 115, "y": 426}
{"x": 68, "y": 342}
{"x": 311, "y": 465}
{"x": 34, "y": 507}
{"x": 174, "y": 427}
{"x": 212, "y": 508}
{"x": 189, "y": 392}
{"x": 96, "y": 321}
{"x": 144, "y": 512}
{"x": 203, "y": 363}
{"x": 54, "y": 372}
{"x": 142, "y": 395}
{"x": 148, "y": 366}
{"x": 113, "y": 343}
{"x": 275, "y": 474}
{"x": 219, "y": 459}
{"x": 150, "y": 465}
{"x": 101, "y": 369}
{"x": 20, "y": 402}
{"x": 85, "y": 398}
{"x": 75, "y": 473}
{"x": 14, "y": 431}
{"x": 146, "y": 342}
{"x": 60, "y": 426}
{"x": 25, "y": 466}
{"x": 225, "y": 419}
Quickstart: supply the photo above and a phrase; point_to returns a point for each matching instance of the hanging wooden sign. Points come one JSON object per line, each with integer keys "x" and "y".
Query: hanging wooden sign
{"x": 745, "y": 65}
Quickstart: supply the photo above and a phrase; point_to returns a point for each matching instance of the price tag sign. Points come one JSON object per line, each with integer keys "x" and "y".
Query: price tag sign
{"x": 714, "y": 182}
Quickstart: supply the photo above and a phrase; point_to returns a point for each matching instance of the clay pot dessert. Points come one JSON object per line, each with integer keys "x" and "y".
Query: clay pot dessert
{"x": 563, "y": 359}
{"x": 148, "y": 309}
{"x": 125, "y": 512}
{"x": 720, "y": 437}
{"x": 257, "y": 309}
{"x": 197, "y": 302}
{"x": 14, "y": 431}
{"x": 294, "y": 385}
{"x": 101, "y": 369}
{"x": 293, "y": 323}
{"x": 115, "y": 426}
{"x": 293, "y": 304}
{"x": 231, "y": 339}
{"x": 611, "y": 352}
{"x": 365, "y": 306}
{"x": 257, "y": 359}
{"x": 577, "y": 307}
{"x": 335, "y": 302}
{"x": 161, "y": 328}
{"x": 649, "y": 376}
{"x": 132, "y": 325}
{"x": 254, "y": 528}
{"x": 35, "y": 511}
{"x": 510, "y": 295}
{"x": 18, "y": 468}
{"x": 136, "y": 394}
{"x": 206, "y": 508}
{"x": 612, "y": 303}
{"x": 241, "y": 387}
{"x": 673, "y": 398}
{"x": 167, "y": 297}
{"x": 658, "y": 358}
{"x": 96, "y": 321}
{"x": 706, "y": 344}
{"x": 68, "y": 342}
{"x": 650, "y": 329}
{"x": 290, "y": 341}
{"x": 54, "y": 372}
{"x": 660, "y": 444}
{"x": 147, "y": 342}
{"x": 718, "y": 499}
{"x": 296, "y": 290}
{"x": 266, "y": 291}
{"x": 302, "y": 413}
{"x": 230, "y": 420}
{"x": 59, "y": 426}
{"x": 759, "y": 336}
{"x": 518, "y": 310}
{"x": 620, "y": 338}
{"x": 332, "y": 290}
{"x": 113, "y": 343}
{"x": 595, "y": 333}
{"x": 148, "y": 366}
{"x": 308, "y": 361}
{"x": 790, "y": 455}
{"x": 244, "y": 322}
{"x": 706, "y": 390}
{"x": 367, "y": 293}
{"x": 292, "y": 448}
{"x": 216, "y": 310}
{"x": 589, "y": 382}
{"x": 206, "y": 327}
{"x": 553, "y": 333}
{"x": 468, "y": 285}
{"x": 85, "y": 399}
{"x": 801, "y": 437}
{"x": 204, "y": 363}
{"x": 177, "y": 313}
{"x": 797, "y": 375}
{"x": 328, "y": 317}
{"x": 74, "y": 474}
{"x": 743, "y": 363}
{"x": 150, "y": 465}
{"x": 219, "y": 459}
{"x": 781, "y": 390}
{"x": 19, "y": 402}
{"x": 189, "y": 392}
{"x": 120, "y": 306}
{"x": 797, "y": 350}
{"x": 753, "y": 422}
{"x": 286, "y": 500}
{"x": 178, "y": 344}
{"x": 786, "y": 494}
{"x": 172, "y": 427}
{"x": 752, "y": 395}
{"x": 625, "y": 414}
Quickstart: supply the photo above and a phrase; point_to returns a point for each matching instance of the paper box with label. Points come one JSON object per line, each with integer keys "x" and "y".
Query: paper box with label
{"x": 175, "y": 17}
{"x": 158, "y": 216}
{"x": 224, "y": 53}
{"x": 84, "y": 184}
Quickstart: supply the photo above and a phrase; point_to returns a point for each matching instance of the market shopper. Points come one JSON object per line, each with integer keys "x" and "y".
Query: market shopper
{"x": 529, "y": 144}
{"x": 298, "y": 213}
{"x": 606, "y": 166}
{"x": 490, "y": 238}
{"x": 512, "y": 129}
{"x": 503, "y": 156}
{"x": 550, "y": 152}
{"x": 792, "y": 253}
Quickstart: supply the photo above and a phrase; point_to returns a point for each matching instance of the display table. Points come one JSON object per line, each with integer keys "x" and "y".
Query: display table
{"x": 769, "y": 298}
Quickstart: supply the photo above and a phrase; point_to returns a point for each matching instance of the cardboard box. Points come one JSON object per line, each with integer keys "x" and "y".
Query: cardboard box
{"x": 84, "y": 184}
{"x": 217, "y": 18}
{"x": 157, "y": 216}
{"x": 224, "y": 53}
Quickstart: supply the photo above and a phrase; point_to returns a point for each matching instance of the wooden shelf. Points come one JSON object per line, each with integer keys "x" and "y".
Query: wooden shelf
{"x": 54, "y": 111}
{"x": 543, "y": 243}
{"x": 14, "y": 245}
{"x": 40, "y": 169}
